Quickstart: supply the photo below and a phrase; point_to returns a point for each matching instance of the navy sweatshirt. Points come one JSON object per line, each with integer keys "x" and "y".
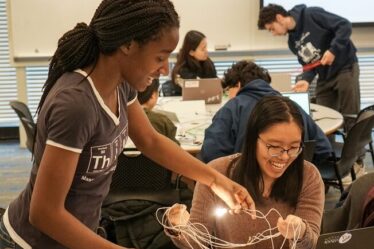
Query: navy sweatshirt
{"x": 317, "y": 31}
{"x": 226, "y": 134}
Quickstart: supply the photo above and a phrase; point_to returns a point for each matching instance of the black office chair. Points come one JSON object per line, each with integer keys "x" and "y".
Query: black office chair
{"x": 139, "y": 187}
{"x": 308, "y": 149}
{"x": 354, "y": 119}
{"x": 370, "y": 149}
{"x": 168, "y": 88}
{"x": 349, "y": 214}
{"x": 27, "y": 121}
{"x": 357, "y": 137}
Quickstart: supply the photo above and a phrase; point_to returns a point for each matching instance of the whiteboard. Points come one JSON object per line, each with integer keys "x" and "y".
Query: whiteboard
{"x": 36, "y": 25}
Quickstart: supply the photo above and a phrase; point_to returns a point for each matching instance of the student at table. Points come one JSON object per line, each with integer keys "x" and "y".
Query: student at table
{"x": 88, "y": 110}
{"x": 148, "y": 100}
{"x": 248, "y": 83}
{"x": 272, "y": 168}
{"x": 193, "y": 60}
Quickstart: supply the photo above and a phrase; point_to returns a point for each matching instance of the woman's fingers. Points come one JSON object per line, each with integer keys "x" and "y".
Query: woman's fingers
{"x": 178, "y": 215}
{"x": 291, "y": 226}
{"x": 246, "y": 202}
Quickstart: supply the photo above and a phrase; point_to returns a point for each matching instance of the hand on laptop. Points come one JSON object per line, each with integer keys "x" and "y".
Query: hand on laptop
{"x": 291, "y": 226}
{"x": 301, "y": 86}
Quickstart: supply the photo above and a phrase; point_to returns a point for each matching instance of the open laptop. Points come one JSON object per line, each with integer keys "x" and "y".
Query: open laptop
{"x": 301, "y": 98}
{"x": 281, "y": 82}
{"x": 209, "y": 90}
{"x": 361, "y": 238}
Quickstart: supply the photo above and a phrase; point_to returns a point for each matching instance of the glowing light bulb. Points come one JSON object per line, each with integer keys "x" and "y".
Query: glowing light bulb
{"x": 219, "y": 212}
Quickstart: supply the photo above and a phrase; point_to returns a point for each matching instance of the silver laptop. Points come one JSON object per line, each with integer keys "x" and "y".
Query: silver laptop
{"x": 361, "y": 238}
{"x": 281, "y": 82}
{"x": 301, "y": 98}
{"x": 209, "y": 90}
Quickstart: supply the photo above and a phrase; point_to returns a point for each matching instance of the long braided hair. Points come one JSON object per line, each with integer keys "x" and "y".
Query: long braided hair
{"x": 115, "y": 23}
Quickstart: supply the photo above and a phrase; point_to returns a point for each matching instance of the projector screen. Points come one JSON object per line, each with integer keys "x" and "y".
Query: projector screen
{"x": 359, "y": 12}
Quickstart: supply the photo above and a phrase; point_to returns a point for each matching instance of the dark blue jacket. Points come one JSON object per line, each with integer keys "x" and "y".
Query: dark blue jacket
{"x": 226, "y": 134}
{"x": 317, "y": 31}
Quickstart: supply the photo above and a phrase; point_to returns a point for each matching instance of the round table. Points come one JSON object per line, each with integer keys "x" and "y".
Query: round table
{"x": 326, "y": 118}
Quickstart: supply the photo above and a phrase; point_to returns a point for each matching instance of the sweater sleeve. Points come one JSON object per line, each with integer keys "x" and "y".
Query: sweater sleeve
{"x": 310, "y": 206}
{"x": 204, "y": 203}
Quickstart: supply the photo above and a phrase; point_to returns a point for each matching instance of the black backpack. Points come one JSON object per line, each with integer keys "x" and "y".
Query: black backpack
{"x": 133, "y": 223}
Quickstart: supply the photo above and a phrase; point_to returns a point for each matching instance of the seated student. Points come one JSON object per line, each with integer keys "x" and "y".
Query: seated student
{"x": 148, "y": 99}
{"x": 192, "y": 60}
{"x": 226, "y": 134}
{"x": 272, "y": 168}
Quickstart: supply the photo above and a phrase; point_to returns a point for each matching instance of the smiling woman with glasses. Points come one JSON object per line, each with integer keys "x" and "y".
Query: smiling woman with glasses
{"x": 271, "y": 167}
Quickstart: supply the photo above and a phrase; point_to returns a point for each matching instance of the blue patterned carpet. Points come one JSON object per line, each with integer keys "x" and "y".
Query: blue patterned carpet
{"x": 15, "y": 165}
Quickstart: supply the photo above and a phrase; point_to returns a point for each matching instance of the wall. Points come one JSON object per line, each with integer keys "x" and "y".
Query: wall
{"x": 36, "y": 25}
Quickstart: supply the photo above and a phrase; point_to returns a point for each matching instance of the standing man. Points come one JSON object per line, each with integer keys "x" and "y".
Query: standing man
{"x": 321, "y": 41}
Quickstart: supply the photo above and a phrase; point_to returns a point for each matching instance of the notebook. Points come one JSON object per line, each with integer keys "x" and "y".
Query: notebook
{"x": 281, "y": 82}
{"x": 352, "y": 239}
{"x": 301, "y": 98}
{"x": 209, "y": 90}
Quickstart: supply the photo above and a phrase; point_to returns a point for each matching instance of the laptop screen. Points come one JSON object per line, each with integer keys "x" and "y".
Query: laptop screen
{"x": 352, "y": 239}
{"x": 302, "y": 99}
{"x": 209, "y": 90}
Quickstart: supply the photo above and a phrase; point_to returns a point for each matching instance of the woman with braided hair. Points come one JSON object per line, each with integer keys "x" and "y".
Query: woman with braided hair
{"x": 88, "y": 109}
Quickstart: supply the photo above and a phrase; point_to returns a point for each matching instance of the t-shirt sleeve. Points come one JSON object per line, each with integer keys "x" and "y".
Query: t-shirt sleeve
{"x": 130, "y": 93}
{"x": 71, "y": 120}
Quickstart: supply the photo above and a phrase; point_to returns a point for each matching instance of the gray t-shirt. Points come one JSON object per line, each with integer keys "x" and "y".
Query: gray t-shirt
{"x": 74, "y": 117}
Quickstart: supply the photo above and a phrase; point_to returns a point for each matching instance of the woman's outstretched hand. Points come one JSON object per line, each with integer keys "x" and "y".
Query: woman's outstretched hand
{"x": 235, "y": 195}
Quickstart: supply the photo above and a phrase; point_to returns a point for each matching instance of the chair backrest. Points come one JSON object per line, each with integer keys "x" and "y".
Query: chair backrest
{"x": 27, "y": 121}
{"x": 349, "y": 215}
{"x": 368, "y": 108}
{"x": 21, "y": 109}
{"x": 137, "y": 172}
{"x": 357, "y": 138}
{"x": 30, "y": 128}
{"x": 139, "y": 187}
{"x": 168, "y": 88}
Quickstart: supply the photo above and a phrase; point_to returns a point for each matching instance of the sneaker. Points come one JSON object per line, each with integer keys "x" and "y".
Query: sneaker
{"x": 359, "y": 170}
{"x": 347, "y": 180}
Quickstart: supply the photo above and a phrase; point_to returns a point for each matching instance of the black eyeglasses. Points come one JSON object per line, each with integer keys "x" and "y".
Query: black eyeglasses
{"x": 276, "y": 151}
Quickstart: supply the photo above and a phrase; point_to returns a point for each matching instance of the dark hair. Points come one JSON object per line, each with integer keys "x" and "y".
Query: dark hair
{"x": 270, "y": 110}
{"x": 245, "y": 72}
{"x": 115, "y": 23}
{"x": 191, "y": 41}
{"x": 144, "y": 96}
{"x": 268, "y": 14}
